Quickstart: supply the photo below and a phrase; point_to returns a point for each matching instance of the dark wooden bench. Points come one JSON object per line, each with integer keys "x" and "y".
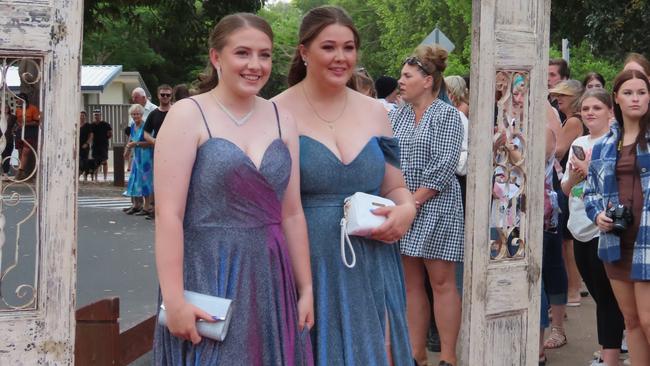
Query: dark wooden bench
{"x": 98, "y": 340}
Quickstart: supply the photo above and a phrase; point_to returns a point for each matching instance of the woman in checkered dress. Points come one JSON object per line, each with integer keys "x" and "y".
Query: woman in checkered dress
{"x": 430, "y": 135}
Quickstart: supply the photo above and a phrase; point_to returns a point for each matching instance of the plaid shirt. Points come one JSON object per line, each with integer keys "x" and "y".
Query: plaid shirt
{"x": 601, "y": 188}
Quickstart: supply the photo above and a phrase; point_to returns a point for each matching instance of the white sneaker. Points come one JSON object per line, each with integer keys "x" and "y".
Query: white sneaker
{"x": 597, "y": 362}
{"x": 627, "y": 362}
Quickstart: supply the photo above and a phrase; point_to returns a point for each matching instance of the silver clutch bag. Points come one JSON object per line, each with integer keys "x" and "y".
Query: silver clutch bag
{"x": 218, "y": 307}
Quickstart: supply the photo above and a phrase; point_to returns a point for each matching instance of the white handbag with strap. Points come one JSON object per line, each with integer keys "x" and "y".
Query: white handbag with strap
{"x": 359, "y": 220}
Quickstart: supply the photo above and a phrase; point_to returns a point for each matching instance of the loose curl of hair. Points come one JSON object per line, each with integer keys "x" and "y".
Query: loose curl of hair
{"x": 219, "y": 37}
{"x": 434, "y": 60}
{"x": 312, "y": 24}
{"x": 621, "y": 78}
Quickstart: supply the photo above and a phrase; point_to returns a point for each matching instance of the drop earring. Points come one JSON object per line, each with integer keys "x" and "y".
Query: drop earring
{"x": 304, "y": 62}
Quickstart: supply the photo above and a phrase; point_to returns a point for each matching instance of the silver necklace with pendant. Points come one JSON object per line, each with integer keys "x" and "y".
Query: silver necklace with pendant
{"x": 237, "y": 121}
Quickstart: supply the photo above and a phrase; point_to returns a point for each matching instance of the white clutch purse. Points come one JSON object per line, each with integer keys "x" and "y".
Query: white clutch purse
{"x": 218, "y": 307}
{"x": 358, "y": 220}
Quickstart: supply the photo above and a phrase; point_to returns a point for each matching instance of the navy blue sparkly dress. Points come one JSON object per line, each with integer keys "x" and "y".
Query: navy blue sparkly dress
{"x": 353, "y": 306}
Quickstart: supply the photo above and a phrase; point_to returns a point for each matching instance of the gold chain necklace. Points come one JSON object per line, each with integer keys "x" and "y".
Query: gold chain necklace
{"x": 330, "y": 123}
{"x": 237, "y": 121}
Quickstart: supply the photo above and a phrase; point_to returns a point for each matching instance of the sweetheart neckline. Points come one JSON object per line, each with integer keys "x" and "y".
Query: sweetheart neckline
{"x": 363, "y": 149}
{"x": 248, "y": 158}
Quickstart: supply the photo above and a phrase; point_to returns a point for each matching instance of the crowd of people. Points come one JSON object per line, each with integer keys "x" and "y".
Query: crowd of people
{"x": 596, "y": 171}
{"x": 249, "y": 197}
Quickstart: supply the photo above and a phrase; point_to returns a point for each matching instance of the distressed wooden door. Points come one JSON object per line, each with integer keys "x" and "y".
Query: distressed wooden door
{"x": 501, "y": 297}
{"x": 40, "y": 49}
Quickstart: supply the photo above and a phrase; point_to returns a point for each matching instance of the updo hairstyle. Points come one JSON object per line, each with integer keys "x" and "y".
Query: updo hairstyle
{"x": 219, "y": 37}
{"x": 434, "y": 62}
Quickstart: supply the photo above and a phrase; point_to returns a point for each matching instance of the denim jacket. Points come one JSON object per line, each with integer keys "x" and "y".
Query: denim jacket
{"x": 601, "y": 188}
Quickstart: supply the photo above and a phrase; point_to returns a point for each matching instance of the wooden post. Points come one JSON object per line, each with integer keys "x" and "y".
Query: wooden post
{"x": 501, "y": 297}
{"x": 118, "y": 165}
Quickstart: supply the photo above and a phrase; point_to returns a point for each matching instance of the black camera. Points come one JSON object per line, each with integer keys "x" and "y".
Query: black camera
{"x": 622, "y": 217}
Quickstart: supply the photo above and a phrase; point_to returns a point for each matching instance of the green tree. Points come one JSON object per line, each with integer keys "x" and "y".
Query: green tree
{"x": 165, "y": 40}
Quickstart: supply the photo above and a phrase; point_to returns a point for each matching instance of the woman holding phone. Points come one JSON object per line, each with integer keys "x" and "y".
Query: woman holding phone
{"x": 596, "y": 110}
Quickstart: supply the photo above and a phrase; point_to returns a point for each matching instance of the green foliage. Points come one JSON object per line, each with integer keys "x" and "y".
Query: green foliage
{"x": 583, "y": 61}
{"x": 165, "y": 40}
{"x": 285, "y": 20}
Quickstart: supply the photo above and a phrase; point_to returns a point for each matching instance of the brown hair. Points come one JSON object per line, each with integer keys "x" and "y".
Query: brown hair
{"x": 363, "y": 82}
{"x": 639, "y": 59}
{"x": 219, "y": 37}
{"x": 563, "y": 67}
{"x": 434, "y": 60}
{"x": 593, "y": 76}
{"x": 164, "y": 86}
{"x": 621, "y": 78}
{"x": 312, "y": 24}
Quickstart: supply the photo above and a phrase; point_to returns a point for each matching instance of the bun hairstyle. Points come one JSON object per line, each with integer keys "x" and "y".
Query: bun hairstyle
{"x": 434, "y": 60}
{"x": 621, "y": 78}
{"x": 219, "y": 37}
{"x": 312, "y": 24}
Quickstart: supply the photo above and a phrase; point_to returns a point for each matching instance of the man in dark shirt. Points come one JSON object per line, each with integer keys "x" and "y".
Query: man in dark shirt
{"x": 154, "y": 121}
{"x": 85, "y": 140}
{"x": 102, "y": 133}
{"x": 156, "y": 118}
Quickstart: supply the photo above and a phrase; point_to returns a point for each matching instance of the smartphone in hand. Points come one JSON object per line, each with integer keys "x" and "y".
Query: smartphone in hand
{"x": 579, "y": 152}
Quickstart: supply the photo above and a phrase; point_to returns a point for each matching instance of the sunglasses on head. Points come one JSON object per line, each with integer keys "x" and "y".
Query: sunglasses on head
{"x": 413, "y": 61}
{"x": 167, "y": 95}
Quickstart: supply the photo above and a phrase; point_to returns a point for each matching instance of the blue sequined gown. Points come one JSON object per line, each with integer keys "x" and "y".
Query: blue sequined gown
{"x": 353, "y": 306}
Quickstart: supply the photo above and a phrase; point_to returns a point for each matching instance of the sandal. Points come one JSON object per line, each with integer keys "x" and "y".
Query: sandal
{"x": 557, "y": 338}
{"x": 133, "y": 210}
{"x": 127, "y": 208}
{"x": 142, "y": 212}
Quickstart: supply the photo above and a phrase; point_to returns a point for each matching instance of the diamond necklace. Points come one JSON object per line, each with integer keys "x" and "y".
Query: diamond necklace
{"x": 237, "y": 121}
{"x": 330, "y": 123}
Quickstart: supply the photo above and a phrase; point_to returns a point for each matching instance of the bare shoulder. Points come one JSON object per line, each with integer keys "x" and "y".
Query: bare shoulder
{"x": 184, "y": 117}
{"x": 284, "y": 98}
{"x": 287, "y": 122}
{"x": 376, "y": 116}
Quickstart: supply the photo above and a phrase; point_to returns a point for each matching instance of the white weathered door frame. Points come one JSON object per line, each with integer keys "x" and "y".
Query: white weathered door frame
{"x": 501, "y": 297}
{"x": 52, "y": 30}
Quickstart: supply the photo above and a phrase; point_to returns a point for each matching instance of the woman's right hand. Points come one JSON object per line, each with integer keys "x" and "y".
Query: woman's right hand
{"x": 181, "y": 321}
{"x": 604, "y": 223}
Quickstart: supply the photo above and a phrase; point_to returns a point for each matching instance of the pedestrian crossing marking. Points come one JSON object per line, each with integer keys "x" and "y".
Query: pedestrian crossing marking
{"x": 84, "y": 201}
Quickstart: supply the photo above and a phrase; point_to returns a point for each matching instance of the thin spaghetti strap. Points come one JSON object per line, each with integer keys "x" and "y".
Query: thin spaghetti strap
{"x": 277, "y": 118}
{"x": 202, "y": 115}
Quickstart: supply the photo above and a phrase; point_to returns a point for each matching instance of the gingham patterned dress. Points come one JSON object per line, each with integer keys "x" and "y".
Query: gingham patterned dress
{"x": 429, "y": 156}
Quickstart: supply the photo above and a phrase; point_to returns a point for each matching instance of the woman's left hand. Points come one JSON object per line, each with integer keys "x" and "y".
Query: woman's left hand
{"x": 581, "y": 166}
{"x": 398, "y": 221}
{"x": 306, "y": 309}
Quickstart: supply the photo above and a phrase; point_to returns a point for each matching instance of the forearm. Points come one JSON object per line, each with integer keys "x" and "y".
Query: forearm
{"x": 400, "y": 195}
{"x": 169, "y": 257}
{"x": 295, "y": 231}
{"x": 424, "y": 194}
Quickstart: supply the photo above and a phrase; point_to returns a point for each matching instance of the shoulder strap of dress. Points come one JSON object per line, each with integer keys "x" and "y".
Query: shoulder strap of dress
{"x": 277, "y": 118}
{"x": 202, "y": 115}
